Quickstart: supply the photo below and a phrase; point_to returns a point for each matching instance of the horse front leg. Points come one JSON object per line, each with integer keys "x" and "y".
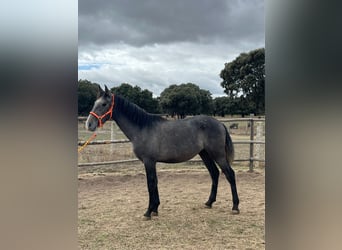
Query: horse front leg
{"x": 152, "y": 186}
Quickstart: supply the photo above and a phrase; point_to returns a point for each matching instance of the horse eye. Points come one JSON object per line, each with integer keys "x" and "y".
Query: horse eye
{"x": 104, "y": 104}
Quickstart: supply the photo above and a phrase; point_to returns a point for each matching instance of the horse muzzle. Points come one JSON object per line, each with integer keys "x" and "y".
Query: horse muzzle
{"x": 91, "y": 123}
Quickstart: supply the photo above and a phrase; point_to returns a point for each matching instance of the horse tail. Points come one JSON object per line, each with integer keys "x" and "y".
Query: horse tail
{"x": 229, "y": 147}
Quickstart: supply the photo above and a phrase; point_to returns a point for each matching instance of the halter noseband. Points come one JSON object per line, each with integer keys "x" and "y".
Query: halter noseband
{"x": 110, "y": 111}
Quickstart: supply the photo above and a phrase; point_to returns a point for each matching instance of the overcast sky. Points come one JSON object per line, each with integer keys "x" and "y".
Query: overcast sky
{"x": 156, "y": 43}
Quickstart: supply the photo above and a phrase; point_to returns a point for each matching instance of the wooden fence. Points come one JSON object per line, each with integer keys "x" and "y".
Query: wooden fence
{"x": 251, "y": 120}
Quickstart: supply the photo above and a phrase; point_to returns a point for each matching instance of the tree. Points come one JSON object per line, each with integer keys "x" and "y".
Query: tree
{"x": 142, "y": 98}
{"x": 87, "y": 93}
{"x": 221, "y": 106}
{"x": 185, "y": 99}
{"x": 226, "y": 106}
{"x": 206, "y": 105}
{"x": 244, "y": 81}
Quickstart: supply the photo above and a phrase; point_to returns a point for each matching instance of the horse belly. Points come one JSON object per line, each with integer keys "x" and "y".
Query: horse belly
{"x": 177, "y": 153}
{"x": 175, "y": 159}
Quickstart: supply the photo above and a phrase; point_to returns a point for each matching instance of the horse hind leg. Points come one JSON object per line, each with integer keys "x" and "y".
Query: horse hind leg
{"x": 230, "y": 176}
{"x": 214, "y": 173}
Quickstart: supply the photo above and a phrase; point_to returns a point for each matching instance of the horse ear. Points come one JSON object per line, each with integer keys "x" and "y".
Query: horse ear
{"x": 100, "y": 91}
{"x": 107, "y": 91}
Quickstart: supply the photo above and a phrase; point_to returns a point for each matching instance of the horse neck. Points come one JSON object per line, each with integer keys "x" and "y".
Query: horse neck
{"x": 124, "y": 115}
{"x": 127, "y": 127}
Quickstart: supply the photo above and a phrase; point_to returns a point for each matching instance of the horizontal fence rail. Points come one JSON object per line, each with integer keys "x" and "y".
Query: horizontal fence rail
{"x": 246, "y": 119}
{"x": 251, "y": 142}
{"x": 102, "y": 142}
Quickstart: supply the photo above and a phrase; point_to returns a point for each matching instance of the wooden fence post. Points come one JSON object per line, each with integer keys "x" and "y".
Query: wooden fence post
{"x": 258, "y": 148}
{"x": 251, "y": 145}
{"x": 112, "y": 135}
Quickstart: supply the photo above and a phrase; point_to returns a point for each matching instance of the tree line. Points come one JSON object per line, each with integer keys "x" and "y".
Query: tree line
{"x": 243, "y": 80}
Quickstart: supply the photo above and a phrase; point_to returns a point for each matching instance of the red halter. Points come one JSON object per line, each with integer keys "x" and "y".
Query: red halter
{"x": 110, "y": 111}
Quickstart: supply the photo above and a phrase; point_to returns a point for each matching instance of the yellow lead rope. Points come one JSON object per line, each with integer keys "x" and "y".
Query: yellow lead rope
{"x": 86, "y": 143}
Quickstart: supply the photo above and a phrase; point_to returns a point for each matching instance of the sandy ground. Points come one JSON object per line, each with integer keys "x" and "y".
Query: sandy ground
{"x": 112, "y": 203}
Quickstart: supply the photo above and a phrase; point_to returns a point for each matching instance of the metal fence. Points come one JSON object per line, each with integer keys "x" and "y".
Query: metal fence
{"x": 255, "y": 129}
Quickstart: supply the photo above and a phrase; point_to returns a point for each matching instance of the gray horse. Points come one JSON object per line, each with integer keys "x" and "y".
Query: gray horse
{"x": 156, "y": 139}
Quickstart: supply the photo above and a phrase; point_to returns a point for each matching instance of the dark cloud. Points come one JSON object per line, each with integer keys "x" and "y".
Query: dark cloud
{"x": 155, "y": 43}
{"x": 146, "y": 22}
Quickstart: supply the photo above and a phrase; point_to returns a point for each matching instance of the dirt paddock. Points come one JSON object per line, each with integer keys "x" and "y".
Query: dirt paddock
{"x": 112, "y": 201}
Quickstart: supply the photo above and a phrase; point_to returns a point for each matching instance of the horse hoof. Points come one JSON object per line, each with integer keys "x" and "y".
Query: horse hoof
{"x": 207, "y": 205}
{"x": 154, "y": 214}
{"x": 235, "y": 211}
{"x": 146, "y": 218}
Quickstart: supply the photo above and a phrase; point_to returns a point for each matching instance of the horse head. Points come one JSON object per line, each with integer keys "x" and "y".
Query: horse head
{"x": 102, "y": 109}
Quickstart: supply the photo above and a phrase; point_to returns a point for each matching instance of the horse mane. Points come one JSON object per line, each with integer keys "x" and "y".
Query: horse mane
{"x": 134, "y": 113}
